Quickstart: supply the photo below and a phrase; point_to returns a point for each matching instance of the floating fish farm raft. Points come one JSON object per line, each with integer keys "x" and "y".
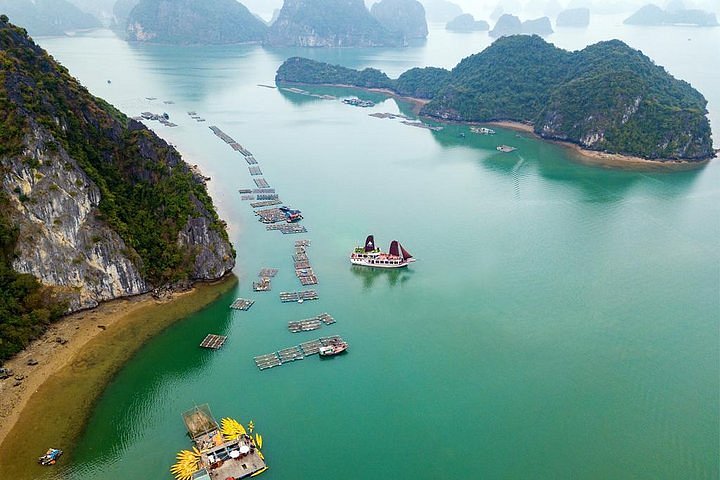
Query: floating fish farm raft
{"x": 261, "y": 182}
{"x": 220, "y": 451}
{"x": 242, "y": 304}
{"x": 292, "y": 354}
{"x": 310, "y": 324}
{"x": 305, "y": 295}
{"x": 287, "y": 228}
{"x": 213, "y": 342}
{"x": 263, "y": 285}
{"x": 268, "y": 272}
{"x": 265, "y": 203}
{"x": 303, "y": 270}
{"x": 255, "y": 170}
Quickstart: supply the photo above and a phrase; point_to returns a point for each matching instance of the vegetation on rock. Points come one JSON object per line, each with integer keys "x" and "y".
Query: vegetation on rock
{"x": 607, "y": 97}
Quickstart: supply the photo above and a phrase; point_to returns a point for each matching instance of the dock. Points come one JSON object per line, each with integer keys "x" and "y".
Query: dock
{"x": 292, "y": 354}
{"x": 304, "y": 295}
{"x": 242, "y": 304}
{"x": 213, "y": 342}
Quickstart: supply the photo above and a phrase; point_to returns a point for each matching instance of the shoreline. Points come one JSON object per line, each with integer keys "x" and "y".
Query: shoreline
{"x": 579, "y": 154}
{"x": 69, "y": 377}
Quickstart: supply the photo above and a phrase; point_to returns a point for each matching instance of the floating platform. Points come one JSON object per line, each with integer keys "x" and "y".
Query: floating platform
{"x": 255, "y": 170}
{"x": 287, "y": 228}
{"x": 251, "y": 160}
{"x": 261, "y": 182}
{"x": 268, "y": 272}
{"x": 271, "y": 215}
{"x": 266, "y": 203}
{"x": 268, "y": 196}
{"x": 244, "y": 191}
{"x": 262, "y": 286}
{"x": 422, "y": 125}
{"x": 302, "y": 243}
{"x": 213, "y": 342}
{"x": 258, "y": 191}
{"x": 247, "y": 197}
{"x": 310, "y": 324}
{"x": 242, "y": 304}
{"x": 304, "y": 295}
{"x": 292, "y": 354}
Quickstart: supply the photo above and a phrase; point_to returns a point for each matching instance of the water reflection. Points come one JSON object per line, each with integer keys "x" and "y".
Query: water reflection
{"x": 369, "y": 275}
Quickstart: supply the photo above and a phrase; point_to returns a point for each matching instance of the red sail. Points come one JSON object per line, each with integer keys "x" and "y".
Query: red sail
{"x": 370, "y": 243}
{"x": 405, "y": 253}
{"x": 395, "y": 248}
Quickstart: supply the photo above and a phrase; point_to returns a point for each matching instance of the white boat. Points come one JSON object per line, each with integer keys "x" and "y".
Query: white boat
{"x": 370, "y": 256}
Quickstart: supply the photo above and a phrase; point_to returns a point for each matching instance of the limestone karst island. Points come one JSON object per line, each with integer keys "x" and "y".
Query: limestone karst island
{"x": 407, "y": 239}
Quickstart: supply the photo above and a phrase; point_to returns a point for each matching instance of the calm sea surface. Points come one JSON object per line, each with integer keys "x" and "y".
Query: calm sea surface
{"x": 561, "y": 321}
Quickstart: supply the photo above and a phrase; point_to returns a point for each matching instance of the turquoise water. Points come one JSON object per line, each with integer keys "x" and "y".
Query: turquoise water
{"x": 561, "y": 320}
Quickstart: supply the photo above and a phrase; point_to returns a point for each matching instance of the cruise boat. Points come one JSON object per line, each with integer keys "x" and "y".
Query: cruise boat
{"x": 371, "y": 256}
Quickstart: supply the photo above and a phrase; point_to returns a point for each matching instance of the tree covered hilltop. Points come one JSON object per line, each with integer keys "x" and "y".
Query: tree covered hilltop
{"x": 607, "y": 97}
{"x": 93, "y": 205}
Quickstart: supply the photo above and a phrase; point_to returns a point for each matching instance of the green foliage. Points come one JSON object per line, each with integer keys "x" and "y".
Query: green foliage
{"x": 302, "y": 70}
{"x": 605, "y": 97}
{"x": 147, "y": 192}
{"x": 421, "y": 82}
{"x": 196, "y": 22}
{"x": 26, "y": 307}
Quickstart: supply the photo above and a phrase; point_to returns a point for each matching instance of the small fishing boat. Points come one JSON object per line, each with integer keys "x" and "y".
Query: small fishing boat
{"x": 505, "y": 148}
{"x": 336, "y": 347}
{"x": 50, "y": 457}
{"x": 371, "y": 256}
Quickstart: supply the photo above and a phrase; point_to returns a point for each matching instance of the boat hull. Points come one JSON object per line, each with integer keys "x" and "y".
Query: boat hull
{"x": 369, "y": 263}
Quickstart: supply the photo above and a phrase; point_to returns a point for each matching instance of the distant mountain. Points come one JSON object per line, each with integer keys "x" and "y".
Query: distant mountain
{"x": 606, "y": 97}
{"x": 47, "y": 17}
{"x": 100, "y": 9}
{"x": 329, "y": 23}
{"x": 193, "y": 22}
{"x": 406, "y": 17}
{"x": 466, "y": 23}
{"x": 441, "y": 11}
{"x": 574, "y": 17}
{"x": 652, "y": 15}
{"x": 121, "y": 12}
{"x": 511, "y": 25}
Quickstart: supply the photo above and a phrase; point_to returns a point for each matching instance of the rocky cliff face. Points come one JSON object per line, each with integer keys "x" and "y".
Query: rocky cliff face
{"x": 193, "y": 22}
{"x": 329, "y": 23}
{"x": 406, "y": 17}
{"x": 103, "y": 208}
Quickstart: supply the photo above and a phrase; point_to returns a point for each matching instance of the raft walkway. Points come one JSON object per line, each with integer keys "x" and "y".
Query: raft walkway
{"x": 310, "y": 324}
{"x": 304, "y": 295}
{"x": 213, "y": 342}
{"x": 242, "y": 304}
{"x": 292, "y": 354}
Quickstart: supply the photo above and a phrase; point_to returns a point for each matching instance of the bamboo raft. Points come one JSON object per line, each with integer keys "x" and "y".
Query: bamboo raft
{"x": 242, "y": 304}
{"x": 271, "y": 215}
{"x": 255, "y": 170}
{"x": 262, "y": 286}
{"x": 310, "y": 324}
{"x": 268, "y": 272}
{"x": 304, "y": 295}
{"x": 287, "y": 228}
{"x": 261, "y": 182}
{"x": 292, "y": 354}
{"x": 265, "y": 203}
{"x": 213, "y": 342}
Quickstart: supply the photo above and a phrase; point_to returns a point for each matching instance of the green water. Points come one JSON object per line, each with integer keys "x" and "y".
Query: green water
{"x": 561, "y": 320}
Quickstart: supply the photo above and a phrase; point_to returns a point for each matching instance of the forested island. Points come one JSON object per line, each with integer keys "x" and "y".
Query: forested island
{"x": 48, "y": 17}
{"x": 93, "y": 205}
{"x": 193, "y": 22}
{"x": 607, "y": 97}
{"x": 652, "y": 15}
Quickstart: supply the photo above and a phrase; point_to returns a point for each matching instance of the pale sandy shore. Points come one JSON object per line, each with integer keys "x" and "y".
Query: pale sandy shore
{"x": 76, "y": 358}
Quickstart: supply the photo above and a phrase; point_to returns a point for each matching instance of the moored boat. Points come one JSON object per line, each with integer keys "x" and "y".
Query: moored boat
{"x": 371, "y": 256}
{"x": 333, "y": 348}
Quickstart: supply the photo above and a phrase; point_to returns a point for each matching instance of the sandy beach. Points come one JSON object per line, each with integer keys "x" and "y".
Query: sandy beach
{"x": 76, "y": 358}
